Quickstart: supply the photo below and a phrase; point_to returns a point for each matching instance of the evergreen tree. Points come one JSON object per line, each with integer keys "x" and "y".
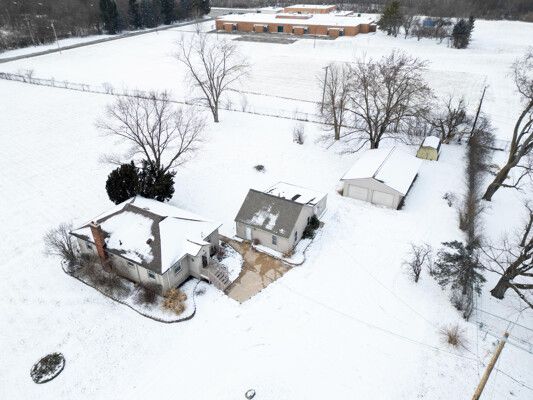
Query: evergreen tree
{"x": 462, "y": 32}
{"x": 134, "y": 12}
{"x": 109, "y": 16}
{"x": 122, "y": 183}
{"x": 155, "y": 184}
{"x": 459, "y": 267}
{"x": 197, "y": 8}
{"x": 168, "y": 11}
{"x": 150, "y": 13}
{"x": 392, "y": 18}
{"x": 185, "y": 9}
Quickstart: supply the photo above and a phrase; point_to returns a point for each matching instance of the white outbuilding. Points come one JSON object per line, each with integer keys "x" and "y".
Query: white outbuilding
{"x": 382, "y": 177}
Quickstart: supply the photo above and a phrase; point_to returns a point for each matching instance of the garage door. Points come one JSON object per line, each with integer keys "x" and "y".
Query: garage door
{"x": 382, "y": 199}
{"x": 357, "y": 192}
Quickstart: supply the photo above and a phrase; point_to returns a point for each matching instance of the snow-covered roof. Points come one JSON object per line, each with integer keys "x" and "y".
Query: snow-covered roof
{"x": 153, "y": 234}
{"x": 392, "y": 167}
{"x": 295, "y": 193}
{"x": 431, "y": 141}
{"x": 329, "y": 20}
{"x": 311, "y": 6}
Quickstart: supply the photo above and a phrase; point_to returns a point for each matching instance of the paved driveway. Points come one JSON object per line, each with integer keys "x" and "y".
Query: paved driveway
{"x": 258, "y": 271}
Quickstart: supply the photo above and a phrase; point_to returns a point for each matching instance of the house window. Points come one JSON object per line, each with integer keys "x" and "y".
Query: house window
{"x": 89, "y": 246}
{"x": 151, "y": 275}
{"x": 274, "y": 240}
{"x": 295, "y": 235}
{"x": 130, "y": 264}
{"x": 177, "y": 268}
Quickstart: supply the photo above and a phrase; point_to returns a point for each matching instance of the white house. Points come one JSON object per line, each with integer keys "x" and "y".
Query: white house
{"x": 152, "y": 243}
{"x": 382, "y": 177}
{"x": 278, "y": 216}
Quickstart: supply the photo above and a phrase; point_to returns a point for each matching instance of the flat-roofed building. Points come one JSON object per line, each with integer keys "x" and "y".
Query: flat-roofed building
{"x": 332, "y": 25}
{"x": 310, "y": 9}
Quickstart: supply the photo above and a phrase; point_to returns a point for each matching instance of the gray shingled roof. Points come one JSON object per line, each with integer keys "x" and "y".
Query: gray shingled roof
{"x": 269, "y": 213}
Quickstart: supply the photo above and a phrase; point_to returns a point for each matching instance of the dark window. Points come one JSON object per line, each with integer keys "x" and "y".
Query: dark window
{"x": 151, "y": 275}
{"x": 274, "y": 239}
{"x": 295, "y": 235}
{"x": 89, "y": 246}
{"x": 177, "y": 268}
{"x": 280, "y": 28}
{"x": 130, "y": 263}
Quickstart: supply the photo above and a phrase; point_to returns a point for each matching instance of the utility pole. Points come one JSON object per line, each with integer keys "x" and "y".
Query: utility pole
{"x": 490, "y": 367}
{"x": 324, "y": 88}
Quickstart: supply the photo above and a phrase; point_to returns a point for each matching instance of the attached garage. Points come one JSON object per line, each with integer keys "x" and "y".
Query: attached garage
{"x": 382, "y": 177}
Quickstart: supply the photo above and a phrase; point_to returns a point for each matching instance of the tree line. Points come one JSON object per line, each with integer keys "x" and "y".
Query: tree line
{"x": 487, "y": 9}
{"x": 29, "y": 23}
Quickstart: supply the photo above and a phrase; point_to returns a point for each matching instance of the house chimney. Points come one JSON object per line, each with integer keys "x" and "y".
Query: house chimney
{"x": 98, "y": 236}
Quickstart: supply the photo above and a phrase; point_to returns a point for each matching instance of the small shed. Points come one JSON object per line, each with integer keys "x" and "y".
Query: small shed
{"x": 382, "y": 177}
{"x": 429, "y": 149}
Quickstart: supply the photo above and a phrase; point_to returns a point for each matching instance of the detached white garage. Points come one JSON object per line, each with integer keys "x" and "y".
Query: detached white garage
{"x": 382, "y": 177}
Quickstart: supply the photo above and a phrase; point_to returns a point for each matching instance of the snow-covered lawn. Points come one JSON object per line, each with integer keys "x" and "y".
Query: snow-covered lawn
{"x": 346, "y": 324}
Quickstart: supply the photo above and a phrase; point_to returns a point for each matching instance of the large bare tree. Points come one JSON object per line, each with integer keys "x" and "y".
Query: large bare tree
{"x": 155, "y": 129}
{"x": 512, "y": 259}
{"x": 450, "y": 119}
{"x": 335, "y": 93}
{"x": 212, "y": 67}
{"x": 521, "y": 150}
{"x": 387, "y": 98}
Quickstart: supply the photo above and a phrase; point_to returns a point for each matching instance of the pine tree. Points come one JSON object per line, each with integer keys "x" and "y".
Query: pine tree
{"x": 134, "y": 13}
{"x": 459, "y": 267}
{"x": 185, "y": 9}
{"x": 155, "y": 184}
{"x": 392, "y": 18}
{"x": 122, "y": 183}
{"x": 462, "y": 32}
{"x": 168, "y": 11}
{"x": 150, "y": 11}
{"x": 109, "y": 15}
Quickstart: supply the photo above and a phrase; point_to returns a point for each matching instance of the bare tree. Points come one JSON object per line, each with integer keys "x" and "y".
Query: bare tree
{"x": 513, "y": 261}
{"x": 335, "y": 86}
{"x": 522, "y": 141}
{"x": 407, "y": 23}
{"x": 419, "y": 257}
{"x": 164, "y": 135}
{"x": 58, "y": 242}
{"x": 450, "y": 118}
{"x": 386, "y": 96}
{"x": 212, "y": 67}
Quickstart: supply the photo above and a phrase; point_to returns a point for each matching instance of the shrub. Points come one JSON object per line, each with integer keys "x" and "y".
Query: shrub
{"x": 174, "y": 299}
{"x": 147, "y": 296}
{"x": 58, "y": 242}
{"x": 256, "y": 242}
{"x": 221, "y": 252}
{"x": 453, "y": 335}
{"x": 289, "y": 253}
{"x": 312, "y": 226}
{"x": 259, "y": 168}
{"x": 298, "y": 134}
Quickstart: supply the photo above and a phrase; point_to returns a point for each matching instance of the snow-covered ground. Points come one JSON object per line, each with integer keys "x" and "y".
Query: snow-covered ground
{"x": 346, "y": 324}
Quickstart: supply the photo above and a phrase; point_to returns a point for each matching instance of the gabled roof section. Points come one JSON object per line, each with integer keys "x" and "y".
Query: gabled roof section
{"x": 269, "y": 213}
{"x": 153, "y": 234}
{"x": 392, "y": 167}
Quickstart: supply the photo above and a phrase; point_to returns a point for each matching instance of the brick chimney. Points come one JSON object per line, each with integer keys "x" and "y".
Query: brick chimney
{"x": 98, "y": 236}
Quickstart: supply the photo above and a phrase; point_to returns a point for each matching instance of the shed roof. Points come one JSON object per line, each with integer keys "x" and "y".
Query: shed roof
{"x": 150, "y": 233}
{"x": 270, "y": 213}
{"x": 392, "y": 167}
{"x": 311, "y": 6}
{"x": 431, "y": 141}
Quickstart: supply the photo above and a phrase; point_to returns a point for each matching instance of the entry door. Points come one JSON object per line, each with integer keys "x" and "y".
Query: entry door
{"x": 204, "y": 261}
{"x": 248, "y": 232}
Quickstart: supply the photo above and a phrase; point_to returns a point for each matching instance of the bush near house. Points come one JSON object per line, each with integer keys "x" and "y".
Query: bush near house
{"x": 312, "y": 226}
{"x": 174, "y": 299}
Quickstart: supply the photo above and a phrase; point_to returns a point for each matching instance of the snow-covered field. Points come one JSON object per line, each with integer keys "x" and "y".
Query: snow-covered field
{"x": 348, "y": 323}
